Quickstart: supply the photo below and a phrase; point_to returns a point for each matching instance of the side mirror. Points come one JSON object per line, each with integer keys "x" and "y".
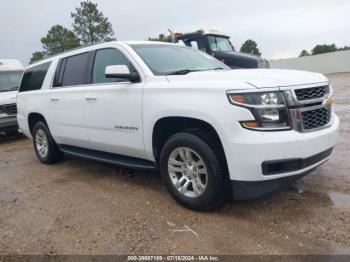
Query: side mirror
{"x": 121, "y": 71}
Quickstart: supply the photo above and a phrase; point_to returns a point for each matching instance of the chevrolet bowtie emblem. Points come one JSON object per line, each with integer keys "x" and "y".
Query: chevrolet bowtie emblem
{"x": 328, "y": 102}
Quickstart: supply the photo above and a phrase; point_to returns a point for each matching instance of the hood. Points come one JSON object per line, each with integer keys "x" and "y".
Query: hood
{"x": 8, "y": 97}
{"x": 260, "y": 78}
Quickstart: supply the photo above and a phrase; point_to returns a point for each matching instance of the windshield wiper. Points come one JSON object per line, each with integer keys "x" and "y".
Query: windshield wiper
{"x": 186, "y": 71}
{"x": 182, "y": 72}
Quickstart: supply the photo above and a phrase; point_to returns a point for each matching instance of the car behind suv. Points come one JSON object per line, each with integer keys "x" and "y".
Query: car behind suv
{"x": 212, "y": 132}
{"x": 10, "y": 77}
{"x": 219, "y": 45}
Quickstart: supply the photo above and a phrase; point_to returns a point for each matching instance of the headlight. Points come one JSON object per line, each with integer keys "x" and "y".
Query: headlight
{"x": 268, "y": 108}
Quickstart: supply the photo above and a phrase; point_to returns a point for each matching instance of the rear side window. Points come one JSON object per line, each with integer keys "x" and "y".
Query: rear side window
{"x": 73, "y": 71}
{"x": 33, "y": 77}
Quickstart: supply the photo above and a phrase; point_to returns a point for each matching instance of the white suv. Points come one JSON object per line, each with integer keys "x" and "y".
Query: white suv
{"x": 211, "y": 131}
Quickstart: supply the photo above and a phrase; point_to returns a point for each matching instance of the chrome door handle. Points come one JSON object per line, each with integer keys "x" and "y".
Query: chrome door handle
{"x": 54, "y": 99}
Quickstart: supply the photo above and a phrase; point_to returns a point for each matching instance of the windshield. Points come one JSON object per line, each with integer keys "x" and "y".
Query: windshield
{"x": 172, "y": 59}
{"x": 9, "y": 81}
{"x": 218, "y": 43}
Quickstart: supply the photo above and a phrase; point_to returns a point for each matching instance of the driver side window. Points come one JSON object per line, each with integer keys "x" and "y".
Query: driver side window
{"x": 104, "y": 58}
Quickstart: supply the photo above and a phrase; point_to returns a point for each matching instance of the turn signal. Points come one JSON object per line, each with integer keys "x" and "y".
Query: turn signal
{"x": 251, "y": 124}
{"x": 238, "y": 99}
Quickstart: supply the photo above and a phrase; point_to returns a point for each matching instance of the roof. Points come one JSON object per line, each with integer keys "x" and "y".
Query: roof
{"x": 97, "y": 45}
{"x": 147, "y": 42}
{"x": 10, "y": 65}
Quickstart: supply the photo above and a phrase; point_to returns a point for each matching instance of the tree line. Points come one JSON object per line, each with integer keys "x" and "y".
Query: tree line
{"x": 89, "y": 26}
{"x": 322, "y": 49}
{"x": 251, "y": 47}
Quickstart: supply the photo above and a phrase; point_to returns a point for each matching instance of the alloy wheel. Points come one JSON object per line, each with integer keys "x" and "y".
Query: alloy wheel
{"x": 188, "y": 172}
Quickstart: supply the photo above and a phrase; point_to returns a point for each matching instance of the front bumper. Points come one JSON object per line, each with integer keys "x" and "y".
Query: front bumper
{"x": 248, "y": 190}
{"x": 8, "y": 124}
{"x": 249, "y": 150}
{"x": 261, "y": 163}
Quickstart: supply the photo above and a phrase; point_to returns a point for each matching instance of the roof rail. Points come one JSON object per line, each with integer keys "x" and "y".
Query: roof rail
{"x": 70, "y": 50}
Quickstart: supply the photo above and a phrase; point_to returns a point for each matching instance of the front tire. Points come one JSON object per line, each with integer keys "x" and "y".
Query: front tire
{"x": 192, "y": 172}
{"x": 45, "y": 147}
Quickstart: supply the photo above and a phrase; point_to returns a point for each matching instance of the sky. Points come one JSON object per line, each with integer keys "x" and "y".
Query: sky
{"x": 281, "y": 28}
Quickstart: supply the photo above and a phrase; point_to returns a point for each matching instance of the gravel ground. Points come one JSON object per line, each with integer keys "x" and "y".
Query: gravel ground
{"x": 83, "y": 207}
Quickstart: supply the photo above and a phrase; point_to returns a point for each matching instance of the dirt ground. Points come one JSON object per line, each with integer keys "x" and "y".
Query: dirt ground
{"x": 83, "y": 207}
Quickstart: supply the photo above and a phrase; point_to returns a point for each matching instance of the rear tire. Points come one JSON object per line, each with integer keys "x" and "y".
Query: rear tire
{"x": 45, "y": 147}
{"x": 197, "y": 186}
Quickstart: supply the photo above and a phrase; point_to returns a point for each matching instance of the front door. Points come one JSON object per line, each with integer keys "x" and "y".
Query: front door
{"x": 114, "y": 108}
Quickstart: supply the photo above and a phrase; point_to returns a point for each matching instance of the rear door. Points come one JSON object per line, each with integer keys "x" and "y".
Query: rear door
{"x": 66, "y": 101}
{"x": 114, "y": 107}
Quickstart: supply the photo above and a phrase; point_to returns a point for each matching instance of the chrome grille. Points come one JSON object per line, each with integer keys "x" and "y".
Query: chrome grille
{"x": 316, "y": 118}
{"x": 311, "y": 92}
{"x": 10, "y": 109}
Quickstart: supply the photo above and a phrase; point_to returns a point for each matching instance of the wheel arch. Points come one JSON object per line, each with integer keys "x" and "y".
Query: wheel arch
{"x": 33, "y": 118}
{"x": 167, "y": 126}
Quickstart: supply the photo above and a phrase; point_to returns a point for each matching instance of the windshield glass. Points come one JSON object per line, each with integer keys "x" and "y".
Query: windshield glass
{"x": 9, "y": 81}
{"x": 169, "y": 59}
{"x": 218, "y": 43}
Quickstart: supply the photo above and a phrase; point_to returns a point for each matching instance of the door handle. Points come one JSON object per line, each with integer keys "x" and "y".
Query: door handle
{"x": 54, "y": 99}
{"x": 91, "y": 98}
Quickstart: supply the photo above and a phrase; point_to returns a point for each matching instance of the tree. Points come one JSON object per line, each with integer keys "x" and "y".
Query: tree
{"x": 304, "y": 53}
{"x": 36, "y": 56}
{"x": 59, "y": 39}
{"x": 90, "y": 25}
{"x": 321, "y": 49}
{"x": 250, "y": 47}
{"x": 161, "y": 38}
{"x": 344, "y": 48}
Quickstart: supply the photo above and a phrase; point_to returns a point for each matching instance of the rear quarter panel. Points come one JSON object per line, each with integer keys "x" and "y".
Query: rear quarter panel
{"x": 35, "y": 101}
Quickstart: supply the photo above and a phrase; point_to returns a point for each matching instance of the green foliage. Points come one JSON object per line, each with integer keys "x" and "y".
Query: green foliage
{"x": 322, "y": 49}
{"x": 59, "y": 39}
{"x": 304, "y": 53}
{"x": 250, "y": 47}
{"x": 344, "y": 48}
{"x": 36, "y": 56}
{"x": 90, "y": 25}
{"x": 161, "y": 38}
